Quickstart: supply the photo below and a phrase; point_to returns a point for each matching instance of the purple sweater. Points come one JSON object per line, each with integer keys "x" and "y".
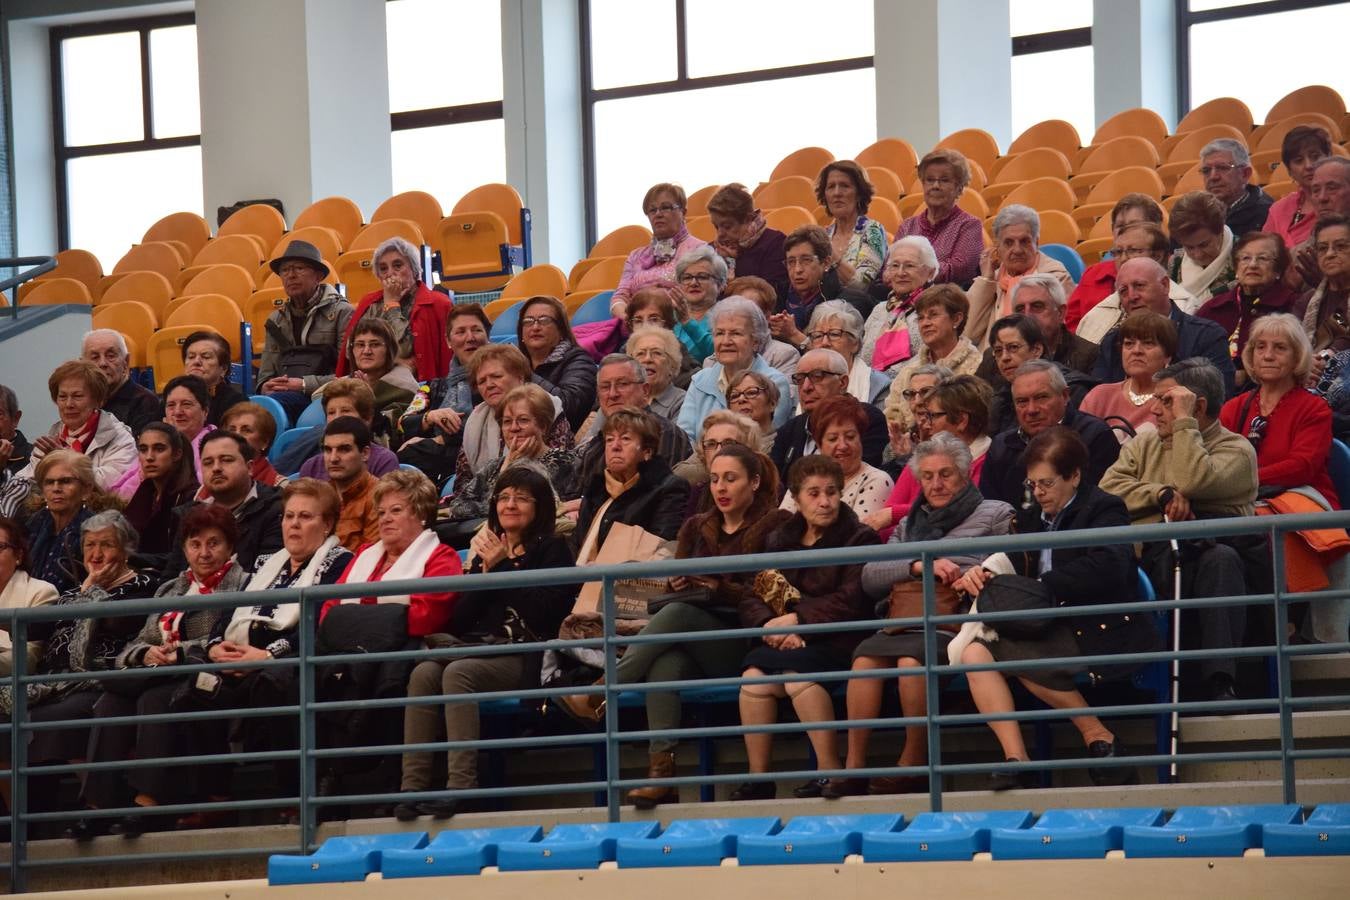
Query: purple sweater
{"x": 765, "y": 259}
{"x": 380, "y": 462}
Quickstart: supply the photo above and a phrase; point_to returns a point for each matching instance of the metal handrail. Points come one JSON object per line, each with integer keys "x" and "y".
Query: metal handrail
{"x": 41, "y": 266}
{"x": 308, "y": 706}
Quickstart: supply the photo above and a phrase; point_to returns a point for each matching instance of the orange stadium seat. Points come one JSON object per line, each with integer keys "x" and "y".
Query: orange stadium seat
{"x": 896, "y": 154}
{"x": 1219, "y": 111}
{"x": 150, "y": 288}
{"x": 1111, "y": 157}
{"x": 187, "y": 228}
{"x": 338, "y": 213}
{"x": 701, "y": 227}
{"x": 156, "y": 256}
{"x": 790, "y": 190}
{"x": 81, "y": 265}
{"x": 231, "y": 280}
{"x": 576, "y": 300}
{"x": 258, "y": 219}
{"x": 501, "y": 199}
{"x": 1191, "y": 181}
{"x": 807, "y": 162}
{"x": 1137, "y": 122}
{"x": 353, "y": 270}
{"x": 1115, "y": 185}
{"x": 134, "y": 321}
{"x": 1315, "y": 98}
{"x": 604, "y": 275}
{"x": 1265, "y": 165}
{"x": 1271, "y": 137}
{"x": 1093, "y": 249}
{"x": 1042, "y": 194}
{"x": 497, "y": 307}
{"x": 622, "y": 241}
{"x": 261, "y": 304}
{"x": 326, "y": 239}
{"x": 1043, "y": 162}
{"x": 582, "y": 266}
{"x": 214, "y": 311}
{"x": 239, "y": 249}
{"x": 885, "y": 182}
{"x": 1282, "y": 188}
{"x": 1058, "y": 227}
{"x": 540, "y": 278}
{"x": 55, "y": 291}
{"x": 884, "y": 210}
{"x": 470, "y": 244}
{"x": 696, "y": 204}
{"x": 419, "y": 206}
{"x": 789, "y": 218}
{"x": 975, "y": 144}
{"x": 377, "y": 233}
{"x": 1056, "y": 134}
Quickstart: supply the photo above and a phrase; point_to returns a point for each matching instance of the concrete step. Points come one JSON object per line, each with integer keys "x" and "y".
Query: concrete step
{"x": 1321, "y": 674}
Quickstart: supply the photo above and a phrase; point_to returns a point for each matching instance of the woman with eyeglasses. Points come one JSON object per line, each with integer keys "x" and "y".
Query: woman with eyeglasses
{"x": 1148, "y": 342}
{"x": 664, "y": 205}
{"x": 1260, "y": 260}
{"x": 1325, "y": 309}
{"x": 78, "y": 390}
{"x": 836, "y": 325}
{"x": 956, "y": 236}
{"x": 903, "y": 439}
{"x": 941, "y": 311}
{"x": 661, "y": 305}
{"x": 560, "y": 367}
{"x": 891, "y": 333}
{"x": 66, "y": 481}
{"x": 755, "y": 396}
{"x": 837, "y": 426}
{"x": 659, "y": 352}
{"x": 372, "y": 352}
{"x": 701, "y": 275}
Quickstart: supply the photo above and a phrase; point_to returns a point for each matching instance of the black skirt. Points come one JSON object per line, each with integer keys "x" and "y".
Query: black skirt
{"x": 811, "y": 658}
{"x": 1057, "y": 641}
{"x": 905, "y": 644}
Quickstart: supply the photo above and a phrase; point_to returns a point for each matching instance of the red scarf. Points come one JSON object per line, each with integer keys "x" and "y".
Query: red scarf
{"x": 79, "y": 440}
{"x": 169, "y": 622}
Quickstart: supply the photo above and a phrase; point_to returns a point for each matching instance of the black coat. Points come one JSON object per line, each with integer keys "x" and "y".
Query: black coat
{"x": 1195, "y": 337}
{"x": 259, "y": 520}
{"x": 134, "y": 406}
{"x": 790, "y": 441}
{"x": 655, "y": 503}
{"x": 1003, "y": 473}
{"x": 226, "y": 395}
{"x": 572, "y": 380}
{"x": 1249, "y": 213}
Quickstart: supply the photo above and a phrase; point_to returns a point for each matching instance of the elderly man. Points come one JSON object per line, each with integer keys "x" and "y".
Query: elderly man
{"x": 622, "y": 381}
{"x": 1331, "y": 197}
{"x": 1014, "y": 255}
{"x": 304, "y": 334}
{"x": 1143, "y": 284}
{"x": 1227, "y": 168}
{"x": 1041, "y": 400}
{"x": 14, "y": 447}
{"x": 1192, "y": 467}
{"x": 1099, "y": 279}
{"x": 1041, "y": 298}
{"x": 1143, "y": 239}
{"x": 133, "y": 405}
{"x": 822, "y": 374}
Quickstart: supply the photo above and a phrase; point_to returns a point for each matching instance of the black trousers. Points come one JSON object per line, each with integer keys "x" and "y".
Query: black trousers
{"x": 1208, "y": 569}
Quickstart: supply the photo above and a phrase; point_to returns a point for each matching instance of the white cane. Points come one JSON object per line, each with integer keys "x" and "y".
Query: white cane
{"x": 1165, "y": 500}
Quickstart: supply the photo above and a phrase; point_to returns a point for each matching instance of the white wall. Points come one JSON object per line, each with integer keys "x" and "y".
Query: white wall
{"x": 30, "y": 354}
{"x": 31, "y": 139}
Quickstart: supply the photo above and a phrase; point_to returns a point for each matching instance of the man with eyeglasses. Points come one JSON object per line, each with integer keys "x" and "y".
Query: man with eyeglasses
{"x": 622, "y": 381}
{"x": 303, "y": 334}
{"x": 1330, "y": 192}
{"x": 1191, "y": 467}
{"x": 1041, "y": 299}
{"x": 822, "y": 374}
{"x": 1142, "y": 241}
{"x": 1040, "y": 399}
{"x": 1227, "y": 168}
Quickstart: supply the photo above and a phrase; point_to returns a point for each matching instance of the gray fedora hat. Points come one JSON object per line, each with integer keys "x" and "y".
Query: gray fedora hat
{"x": 303, "y": 251}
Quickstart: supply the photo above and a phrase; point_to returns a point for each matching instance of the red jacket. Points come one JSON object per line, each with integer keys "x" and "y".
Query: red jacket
{"x": 1098, "y": 283}
{"x": 427, "y": 613}
{"x": 430, "y": 314}
{"x": 1296, "y": 442}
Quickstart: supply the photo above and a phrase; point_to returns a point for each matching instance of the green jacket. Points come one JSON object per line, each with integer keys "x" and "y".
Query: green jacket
{"x": 325, "y": 324}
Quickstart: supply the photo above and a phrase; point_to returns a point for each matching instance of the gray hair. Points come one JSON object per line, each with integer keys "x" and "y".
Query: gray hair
{"x": 1017, "y": 214}
{"x": 1234, "y": 148}
{"x": 112, "y": 519}
{"x": 742, "y": 306}
{"x": 116, "y": 336}
{"x": 404, "y": 248}
{"x": 620, "y": 359}
{"x": 1340, "y": 161}
{"x": 1199, "y": 376}
{"x": 942, "y": 373}
{"x": 9, "y": 400}
{"x": 927, "y": 255}
{"x": 838, "y": 365}
{"x": 1037, "y": 279}
{"x": 669, "y": 343}
{"x": 1050, "y": 368}
{"x": 706, "y": 254}
{"x": 838, "y": 309}
{"x": 942, "y": 444}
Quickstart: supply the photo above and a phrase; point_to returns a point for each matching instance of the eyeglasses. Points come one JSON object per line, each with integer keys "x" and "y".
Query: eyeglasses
{"x": 666, "y": 208}
{"x": 710, "y": 446}
{"x": 1011, "y": 349}
{"x": 1259, "y": 259}
{"x": 927, "y": 416}
{"x": 751, "y": 393}
{"x": 801, "y": 262}
{"x": 1130, "y": 252}
{"x": 622, "y": 384}
{"x": 1041, "y": 484}
{"x": 518, "y": 422}
{"x": 1225, "y": 167}
{"x": 292, "y": 269}
{"x": 903, "y": 266}
{"x": 833, "y": 334}
{"x": 638, "y": 321}
{"x": 367, "y": 345}
{"x": 518, "y": 499}
{"x": 816, "y": 376}
{"x": 541, "y": 321}
{"x": 939, "y": 182}
{"x": 1334, "y": 247}
{"x": 66, "y": 481}
{"x": 910, "y": 394}
{"x": 1257, "y": 431}
{"x": 691, "y": 278}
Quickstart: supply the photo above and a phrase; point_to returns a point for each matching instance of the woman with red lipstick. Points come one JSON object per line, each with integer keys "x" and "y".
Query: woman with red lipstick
{"x": 837, "y": 425}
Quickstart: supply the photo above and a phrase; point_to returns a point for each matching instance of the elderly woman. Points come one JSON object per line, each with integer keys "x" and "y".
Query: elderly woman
{"x": 950, "y": 507}
{"x": 1204, "y": 264}
{"x": 560, "y": 367}
{"x": 661, "y": 305}
{"x": 79, "y": 389}
{"x": 255, "y": 425}
{"x": 957, "y": 237}
{"x": 414, "y": 312}
{"x": 755, "y": 396}
{"x": 1260, "y": 260}
{"x": 748, "y": 246}
{"x": 813, "y": 277}
{"x": 828, "y": 593}
{"x": 837, "y": 424}
{"x": 941, "y": 313}
{"x": 922, "y": 382}
{"x": 207, "y": 356}
{"x": 18, "y": 590}
{"x": 187, "y": 406}
{"x": 664, "y": 205}
{"x": 957, "y": 406}
{"x": 857, "y": 243}
{"x": 779, "y": 354}
{"x": 837, "y": 325}
{"x": 1012, "y": 341}
{"x": 527, "y": 415}
{"x": 1324, "y": 310}
{"x": 1015, "y": 253}
{"x": 1292, "y": 216}
{"x": 372, "y": 354}
{"x": 519, "y": 538}
{"x": 167, "y": 482}
{"x": 1148, "y": 342}
{"x": 659, "y": 352}
{"x": 740, "y": 334}
{"x": 66, "y": 480}
{"x": 1074, "y": 576}
{"x": 891, "y": 333}
{"x": 208, "y": 533}
{"x": 701, "y": 275}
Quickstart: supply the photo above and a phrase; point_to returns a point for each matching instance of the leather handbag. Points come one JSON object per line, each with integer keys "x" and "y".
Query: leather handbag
{"x": 907, "y": 603}
{"x": 1017, "y": 593}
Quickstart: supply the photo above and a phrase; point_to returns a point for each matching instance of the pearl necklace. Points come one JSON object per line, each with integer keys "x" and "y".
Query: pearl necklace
{"x": 1137, "y": 399}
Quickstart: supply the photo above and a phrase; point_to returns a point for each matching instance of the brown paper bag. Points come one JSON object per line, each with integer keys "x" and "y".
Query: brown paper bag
{"x": 627, "y": 543}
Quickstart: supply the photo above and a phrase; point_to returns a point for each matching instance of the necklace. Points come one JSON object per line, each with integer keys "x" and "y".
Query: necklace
{"x": 1137, "y": 399}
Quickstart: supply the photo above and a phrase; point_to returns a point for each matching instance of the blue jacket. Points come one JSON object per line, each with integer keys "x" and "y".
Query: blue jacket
{"x": 704, "y": 396}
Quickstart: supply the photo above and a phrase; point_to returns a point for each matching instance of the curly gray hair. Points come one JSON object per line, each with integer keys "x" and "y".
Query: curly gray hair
{"x": 1017, "y": 214}
{"x": 942, "y": 444}
{"x": 112, "y": 519}
{"x": 741, "y": 306}
{"x": 405, "y": 249}
{"x": 849, "y": 318}
{"x": 708, "y": 255}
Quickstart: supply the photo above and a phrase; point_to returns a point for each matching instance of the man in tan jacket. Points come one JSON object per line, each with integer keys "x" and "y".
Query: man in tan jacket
{"x": 1016, "y": 252}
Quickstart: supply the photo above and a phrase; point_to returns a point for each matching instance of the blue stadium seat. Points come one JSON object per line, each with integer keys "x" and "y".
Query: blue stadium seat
{"x": 595, "y": 309}
{"x": 1070, "y": 833}
{"x": 449, "y": 487}
{"x": 814, "y": 839}
{"x": 570, "y": 846}
{"x": 1209, "y": 830}
{"x": 284, "y": 440}
{"x": 342, "y": 858}
{"x": 692, "y": 842}
{"x": 942, "y": 836}
{"x": 1338, "y": 467}
{"x": 504, "y": 326}
{"x": 1067, "y": 257}
{"x": 460, "y": 852}
{"x": 1325, "y": 833}
{"x": 272, "y": 406}
{"x": 313, "y": 415}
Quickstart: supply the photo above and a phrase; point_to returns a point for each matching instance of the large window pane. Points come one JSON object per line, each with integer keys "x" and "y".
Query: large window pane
{"x": 173, "y": 81}
{"x": 1319, "y": 34}
{"x": 1201, "y": 5}
{"x": 632, "y": 43}
{"x": 470, "y": 69}
{"x": 776, "y": 33}
{"x": 1040, "y": 16}
{"x": 447, "y": 161}
{"x": 686, "y": 143}
{"x": 1070, "y": 71}
{"x": 110, "y": 207}
{"x": 102, "y": 88}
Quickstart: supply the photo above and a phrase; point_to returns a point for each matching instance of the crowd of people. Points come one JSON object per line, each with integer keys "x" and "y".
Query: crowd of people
{"x": 766, "y": 392}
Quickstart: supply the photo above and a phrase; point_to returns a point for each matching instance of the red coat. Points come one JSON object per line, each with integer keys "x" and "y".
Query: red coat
{"x": 430, "y": 314}
{"x": 1296, "y": 444}
{"x": 1098, "y": 283}
{"x": 427, "y": 613}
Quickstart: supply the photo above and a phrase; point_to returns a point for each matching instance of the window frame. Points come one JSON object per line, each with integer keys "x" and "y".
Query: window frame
{"x": 63, "y": 154}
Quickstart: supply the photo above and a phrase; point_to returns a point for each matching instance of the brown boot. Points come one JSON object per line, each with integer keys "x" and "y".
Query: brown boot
{"x": 660, "y": 765}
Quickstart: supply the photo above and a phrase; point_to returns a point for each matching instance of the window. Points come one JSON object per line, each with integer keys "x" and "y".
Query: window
{"x": 126, "y": 115}
{"x": 447, "y": 134}
{"x": 1050, "y": 40}
{"x": 658, "y": 93}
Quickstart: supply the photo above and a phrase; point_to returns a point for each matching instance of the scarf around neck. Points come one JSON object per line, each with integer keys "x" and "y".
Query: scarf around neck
{"x": 662, "y": 251}
{"x": 1007, "y": 282}
{"x": 1200, "y": 280}
{"x": 285, "y": 616}
{"x": 411, "y": 564}
{"x": 925, "y": 523}
{"x": 80, "y": 439}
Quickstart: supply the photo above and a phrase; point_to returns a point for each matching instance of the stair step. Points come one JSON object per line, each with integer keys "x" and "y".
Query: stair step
{"x": 1308, "y": 725}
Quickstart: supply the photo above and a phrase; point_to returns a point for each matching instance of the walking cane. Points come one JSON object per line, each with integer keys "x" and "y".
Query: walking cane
{"x": 1165, "y": 500}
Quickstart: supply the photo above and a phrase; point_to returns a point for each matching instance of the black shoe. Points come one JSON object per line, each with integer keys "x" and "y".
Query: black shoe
{"x": 1007, "y": 781}
{"x": 86, "y": 829}
{"x": 1221, "y": 688}
{"x": 754, "y": 790}
{"x": 1110, "y": 776}
{"x": 813, "y": 788}
{"x": 407, "y": 811}
{"x": 135, "y": 826}
{"x": 843, "y": 787}
{"x": 438, "y": 809}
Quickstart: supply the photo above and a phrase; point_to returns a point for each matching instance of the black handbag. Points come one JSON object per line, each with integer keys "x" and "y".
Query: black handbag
{"x": 1017, "y": 593}
{"x": 700, "y": 597}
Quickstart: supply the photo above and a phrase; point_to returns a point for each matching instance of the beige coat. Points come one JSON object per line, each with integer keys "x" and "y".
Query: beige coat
{"x": 986, "y": 298}
{"x": 23, "y": 592}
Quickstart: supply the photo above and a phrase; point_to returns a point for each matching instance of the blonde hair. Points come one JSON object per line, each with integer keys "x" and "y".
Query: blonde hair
{"x": 411, "y": 483}
{"x": 1280, "y": 325}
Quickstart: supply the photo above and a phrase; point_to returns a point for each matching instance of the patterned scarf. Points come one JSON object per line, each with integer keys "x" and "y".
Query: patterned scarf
{"x": 1006, "y": 283}
{"x": 663, "y": 250}
{"x": 79, "y": 440}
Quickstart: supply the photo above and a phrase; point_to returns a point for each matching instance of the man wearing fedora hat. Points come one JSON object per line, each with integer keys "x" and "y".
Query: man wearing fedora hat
{"x": 304, "y": 333}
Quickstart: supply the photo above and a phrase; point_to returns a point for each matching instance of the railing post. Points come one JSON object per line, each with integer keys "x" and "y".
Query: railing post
{"x": 1282, "y": 665}
{"x": 18, "y": 753}
{"x": 931, "y": 685}
{"x": 611, "y": 702}
{"x": 305, "y": 676}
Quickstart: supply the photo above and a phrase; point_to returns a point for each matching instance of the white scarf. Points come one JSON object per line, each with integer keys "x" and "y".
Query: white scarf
{"x": 1198, "y": 280}
{"x": 284, "y": 616}
{"x": 860, "y": 380}
{"x": 411, "y": 564}
{"x": 998, "y": 564}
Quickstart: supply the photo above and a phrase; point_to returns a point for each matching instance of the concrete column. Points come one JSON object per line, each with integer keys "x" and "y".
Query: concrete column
{"x": 294, "y": 101}
{"x": 1134, "y": 45}
{"x": 943, "y": 65}
{"x": 541, "y": 103}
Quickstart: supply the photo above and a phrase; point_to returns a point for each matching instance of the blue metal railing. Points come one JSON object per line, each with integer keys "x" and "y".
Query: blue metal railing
{"x": 308, "y": 706}
{"x": 41, "y": 266}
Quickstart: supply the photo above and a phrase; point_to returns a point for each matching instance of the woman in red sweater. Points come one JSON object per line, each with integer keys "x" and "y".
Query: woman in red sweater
{"x": 417, "y": 314}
